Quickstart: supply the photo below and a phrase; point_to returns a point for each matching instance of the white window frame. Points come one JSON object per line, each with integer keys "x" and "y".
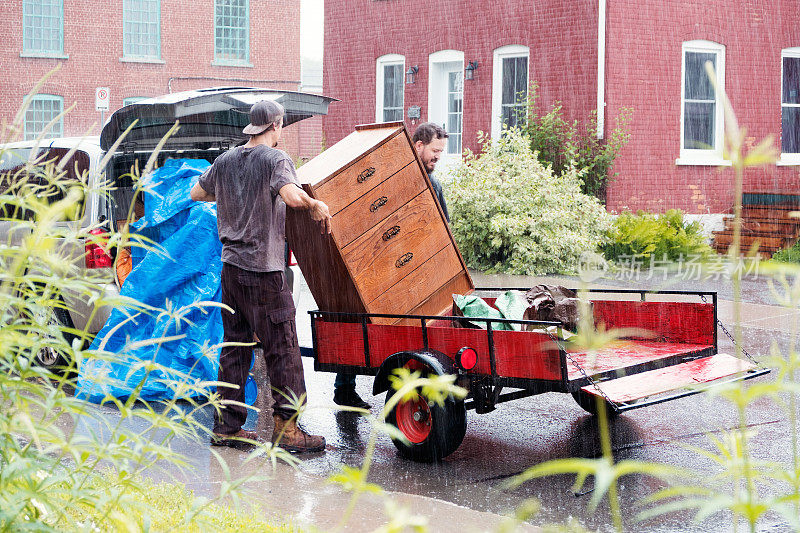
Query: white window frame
{"x": 380, "y": 63}
{"x": 694, "y": 156}
{"x": 222, "y": 43}
{"x": 34, "y": 126}
{"x": 504, "y": 52}
{"x": 32, "y": 46}
{"x": 787, "y": 158}
{"x": 135, "y": 30}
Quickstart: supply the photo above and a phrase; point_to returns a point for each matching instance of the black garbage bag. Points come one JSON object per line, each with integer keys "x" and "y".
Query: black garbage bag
{"x": 553, "y": 303}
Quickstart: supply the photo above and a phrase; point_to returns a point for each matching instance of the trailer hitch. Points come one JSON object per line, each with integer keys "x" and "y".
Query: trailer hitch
{"x": 485, "y": 397}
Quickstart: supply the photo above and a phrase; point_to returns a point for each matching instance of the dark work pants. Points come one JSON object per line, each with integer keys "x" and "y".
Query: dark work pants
{"x": 344, "y": 381}
{"x": 263, "y": 305}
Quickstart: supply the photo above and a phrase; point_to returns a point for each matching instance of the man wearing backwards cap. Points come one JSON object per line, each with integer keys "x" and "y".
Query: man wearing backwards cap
{"x": 252, "y": 185}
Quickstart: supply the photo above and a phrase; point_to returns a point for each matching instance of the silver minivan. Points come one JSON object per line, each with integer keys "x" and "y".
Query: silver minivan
{"x": 210, "y": 122}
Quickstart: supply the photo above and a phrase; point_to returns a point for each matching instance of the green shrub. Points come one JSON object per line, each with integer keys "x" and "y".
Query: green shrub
{"x": 563, "y": 144}
{"x": 661, "y": 236}
{"x": 510, "y": 213}
{"x": 788, "y": 255}
{"x": 172, "y": 507}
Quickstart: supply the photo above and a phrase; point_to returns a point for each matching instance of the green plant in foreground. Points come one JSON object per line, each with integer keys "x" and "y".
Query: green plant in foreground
{"x": 745, "y": 486}
{"x": 172, "y": 507}
{"x": 510, "y": 213}
{"x": 406, "y": 384}
{"x": 52, "y": 445}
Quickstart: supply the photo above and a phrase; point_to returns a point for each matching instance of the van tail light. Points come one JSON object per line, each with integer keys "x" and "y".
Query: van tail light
{"x": 96, "y": 254}
{"x": 292, "y": 260}
{"x": 467, "y": 358}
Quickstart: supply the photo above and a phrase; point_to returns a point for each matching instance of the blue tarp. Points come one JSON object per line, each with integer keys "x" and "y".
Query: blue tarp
{"x": 190, "y": 273}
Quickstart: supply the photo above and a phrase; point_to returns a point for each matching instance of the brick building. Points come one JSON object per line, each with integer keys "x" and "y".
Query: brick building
{"x": 405, "y": 58}
{"x": 142, "y": 48}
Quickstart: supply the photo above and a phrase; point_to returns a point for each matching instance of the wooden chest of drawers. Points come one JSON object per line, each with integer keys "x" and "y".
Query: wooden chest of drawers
{"x": 390, "y": 250}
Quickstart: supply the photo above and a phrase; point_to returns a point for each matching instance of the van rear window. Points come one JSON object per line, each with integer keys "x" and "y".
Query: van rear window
{"x": 20, "y": 177}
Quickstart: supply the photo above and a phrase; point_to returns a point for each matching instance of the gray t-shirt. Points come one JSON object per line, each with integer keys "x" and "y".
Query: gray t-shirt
{"x": 250, "y": 213}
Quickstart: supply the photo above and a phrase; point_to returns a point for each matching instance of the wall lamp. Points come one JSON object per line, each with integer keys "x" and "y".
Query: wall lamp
{"x": 411, "y": 75}
{"x": 469, "y": 71}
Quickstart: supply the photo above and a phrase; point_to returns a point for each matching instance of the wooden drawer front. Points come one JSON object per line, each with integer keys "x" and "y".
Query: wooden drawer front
{"x": 394, "y": 248}
{"x": 418, "y": 285}
{"x": 377, "y": 204}
{"x": 365, "y": 174}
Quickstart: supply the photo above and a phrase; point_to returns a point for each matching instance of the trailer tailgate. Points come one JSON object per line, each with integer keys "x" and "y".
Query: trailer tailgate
{"x": 621, "y": 391}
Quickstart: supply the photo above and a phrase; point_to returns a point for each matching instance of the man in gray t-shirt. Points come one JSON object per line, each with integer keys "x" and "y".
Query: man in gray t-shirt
{"x": 252, "y": 185}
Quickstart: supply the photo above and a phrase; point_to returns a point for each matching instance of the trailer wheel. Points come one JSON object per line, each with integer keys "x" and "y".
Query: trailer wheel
{"x": 588, "y": 403}
{"x": 433, "y": 431}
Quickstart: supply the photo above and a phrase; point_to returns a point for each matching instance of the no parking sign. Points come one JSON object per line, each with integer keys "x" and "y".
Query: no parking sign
{"x": 102, "y": 95}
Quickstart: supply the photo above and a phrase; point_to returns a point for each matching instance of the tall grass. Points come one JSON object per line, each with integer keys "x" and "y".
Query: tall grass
{"x": 745, "y": 489}
{"x": 53, "y": 446}
{"x": 67, "y": 465}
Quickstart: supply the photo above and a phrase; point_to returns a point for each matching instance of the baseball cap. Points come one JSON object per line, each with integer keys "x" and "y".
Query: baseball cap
{"x": 262, "y": 115}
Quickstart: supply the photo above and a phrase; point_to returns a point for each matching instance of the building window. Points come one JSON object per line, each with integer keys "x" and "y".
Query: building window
{"x": 790, "y": 105}
{"x": 43, "y": 27}
{"x": 455, "y": 110}
{"x": 43, "y": 109}
{"x": 509, "y": 87}
{"x": 141, "y": 29}
{"x": 133, "y": 99}
{"x": 232, "y": 31}
{"x": 701, "y": 109}
{"x": 390, "y": 87}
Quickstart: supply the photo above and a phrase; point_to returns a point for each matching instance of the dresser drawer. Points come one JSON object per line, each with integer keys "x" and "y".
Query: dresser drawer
{"x": 365, "y": 174}
{"x": 414, "y": 289}
{"x": 377, "y": 204}
{"x": 391, "y": 250}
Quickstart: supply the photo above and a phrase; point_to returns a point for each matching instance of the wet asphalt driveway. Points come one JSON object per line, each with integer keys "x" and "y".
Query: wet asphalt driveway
{"x": 462, "y": 493}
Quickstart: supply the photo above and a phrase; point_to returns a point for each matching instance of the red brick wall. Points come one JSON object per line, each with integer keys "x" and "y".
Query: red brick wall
{"x": 93, "y": 42}
{"x": 644, "y": 73}
{"x": 561, "y": 34}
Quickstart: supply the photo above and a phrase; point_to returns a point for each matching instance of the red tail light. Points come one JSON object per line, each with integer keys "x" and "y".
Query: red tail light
{"x": 292, "y": 260}
{"x": 96, "y": 255}
{"x": 467, "y": 358}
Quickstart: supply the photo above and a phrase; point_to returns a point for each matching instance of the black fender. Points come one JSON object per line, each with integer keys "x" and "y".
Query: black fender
{"x": 436, "y": 361}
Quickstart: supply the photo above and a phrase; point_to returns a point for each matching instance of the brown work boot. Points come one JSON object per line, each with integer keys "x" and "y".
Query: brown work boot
{"x": 288, "y": 435}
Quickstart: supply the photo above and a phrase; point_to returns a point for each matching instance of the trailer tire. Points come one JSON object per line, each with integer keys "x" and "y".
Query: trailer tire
{"x": 588, "y": 403}
{"x": 434, "y": 431}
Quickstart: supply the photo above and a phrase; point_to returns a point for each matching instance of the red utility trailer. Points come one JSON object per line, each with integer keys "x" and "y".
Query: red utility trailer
{"x": 678, "y": 353}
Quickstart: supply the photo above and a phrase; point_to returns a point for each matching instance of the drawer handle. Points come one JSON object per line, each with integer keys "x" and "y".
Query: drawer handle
{"x": 377, "y": 204}
{"x": 391, "y": 232}
{"x": 366, "y": 174}
{"x": 404, "y": 260}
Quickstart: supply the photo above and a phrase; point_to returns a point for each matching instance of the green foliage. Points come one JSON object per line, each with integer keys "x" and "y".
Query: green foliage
{"x": 744, "y": 488}
{"x": 645, "y": 235}
{"x": 510, "y": 213}
{"x": 788, "y": 255}
{"x": 407, "y": 384}
{"x": 51, "y": 443}
{"x": 171, "y": 507}
{"x": 563, "y": 144}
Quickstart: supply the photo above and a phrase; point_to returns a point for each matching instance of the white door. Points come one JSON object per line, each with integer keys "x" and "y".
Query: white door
{"x": 446, "y": 100}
